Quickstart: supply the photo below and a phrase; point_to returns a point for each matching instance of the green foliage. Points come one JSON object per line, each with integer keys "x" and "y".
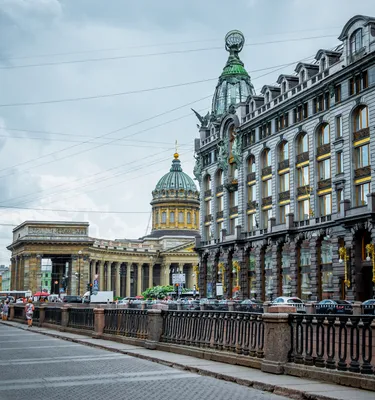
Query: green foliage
{"x": 157, "y": 292}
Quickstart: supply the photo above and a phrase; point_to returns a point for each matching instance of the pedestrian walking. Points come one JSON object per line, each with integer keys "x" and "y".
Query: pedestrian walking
{"x": 5, "y": 310}
{"x": 29, "y": 310}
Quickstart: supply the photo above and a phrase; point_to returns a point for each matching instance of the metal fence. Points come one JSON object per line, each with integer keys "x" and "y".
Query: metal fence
{"x": 52, "y": 315}
{"x": 239, "y": 332}
{"x": 345, "y": 343}
{"x": 81, "y": 318}
{"x": 19, "y": 312}
{"x": 126, "y": 322}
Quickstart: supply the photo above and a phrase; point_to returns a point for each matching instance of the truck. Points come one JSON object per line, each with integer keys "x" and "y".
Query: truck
{"x": 100, "y": 297}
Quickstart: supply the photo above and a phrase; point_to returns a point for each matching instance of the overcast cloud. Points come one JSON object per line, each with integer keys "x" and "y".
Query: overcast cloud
{"x": 121, "y": 176}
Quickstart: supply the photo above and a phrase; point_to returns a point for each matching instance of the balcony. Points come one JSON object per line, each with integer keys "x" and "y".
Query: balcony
{"x": 233, "y": 210}
{"x": 284, "y": 196}
{"x": 362, "y": 172}
{"x": 220, "y": 214}
{"x": 324, "y": 184}
{"x": 231, "y": 186}
{"x": 303, "y": 190}
{"x": 302, "y": 157}
{"x": 252, "y": 205}
{"x": 251, "y": 177}
{"x": 208, "y": 193}
{"x": 323, "y": 149}
{"x": 208, "y": 218}
{"x": 219, "y": 189}
{"x": 283, "y": 164}
{"x": 267, "y": 171}
{"x": 361, "y": 134}
{"x": 267, "y": 201}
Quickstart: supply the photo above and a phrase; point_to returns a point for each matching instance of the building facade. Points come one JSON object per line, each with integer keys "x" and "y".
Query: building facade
{"x": 62, "y": 257}
{"x": 287, "y": 195}
{"x": 5, "y": 279}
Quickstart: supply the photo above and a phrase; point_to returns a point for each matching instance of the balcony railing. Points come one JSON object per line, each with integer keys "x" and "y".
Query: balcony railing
{"x": 303, "y": 190}
{"x": 220, "y": 214}
{"x": 302, "y": 157}
{"x": 362, "y": 172}
{"x": 267, "y": 171}
{"x": 219, "y": 189}
{"x": 233, "y": 210}
{"x": 361, "y": 134}
{"x": 323, "y": 149}
{"x": 208, "y": 193}
{"x": 208, "y": 218}
{"x": 284, "y": 195}
{"x": 324, "y": 184}
{"x": 283, "y": 164}
{"x": 267, "y": 201}
{"x": 252, "y": 205}
{"x": 251, "y": 177}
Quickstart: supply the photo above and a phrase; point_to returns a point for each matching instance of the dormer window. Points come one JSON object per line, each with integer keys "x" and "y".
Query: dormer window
{"x": 323, "y": 64}
{"x": 252, "y": 106}
{"x": 267, "y": 97}
{"x": 303, "y": 76}
{"x": 356, "y": 41}
{"x": 283, "y": 87}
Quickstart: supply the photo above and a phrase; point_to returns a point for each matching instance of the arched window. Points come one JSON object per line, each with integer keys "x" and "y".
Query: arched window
{"x": 283, "y": 151}
{"x": 251, "y": 164}
{"x": 283, "y": 87}
{"x": 302, "y": 143}
{"x": 171, "y": 216}
{"x": 356, "y": 41}
{"x": 207, "y": 182}
{"x": 323, "y": 63}
{"x": 323, "y": 134}
{"x": 219, "y": 178}
{"x": 163, "y": 217}
{"x": 360, "y": 118}
{"x": 267, "y": 97}
{"x": 266, "y": 158}
{"x": 180, "y": 217}
{"x": 189, "y": 218}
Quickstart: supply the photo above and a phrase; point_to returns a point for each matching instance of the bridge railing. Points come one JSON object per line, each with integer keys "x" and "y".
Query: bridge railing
{"x": 81, "y": 318}
{"x": 126, "y": 322}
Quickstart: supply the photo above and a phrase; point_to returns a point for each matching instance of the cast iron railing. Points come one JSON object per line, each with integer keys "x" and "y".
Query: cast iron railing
{"x": 267, "y": 170}
{"x": 342, "y": 342}
{"x": 19, "y": 312}
{"x": 36, "y": 314}
{"x": 251, "y": 177}
{"x": 361, "y": 134}
{"x": 323, "y": 149}
{"x": 131, "y": 323}
{"x": 81, "y": 318}
{"x": 52, "y": 315}
{"x": 283, "y": 164}
{"x": 238, "y": 332}
{"x": 302, "y": 157}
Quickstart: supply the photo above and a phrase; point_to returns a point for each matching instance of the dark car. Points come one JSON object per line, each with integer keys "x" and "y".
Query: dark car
{"x": 334, "y": 307}
{"x": 368, "y": 307}
{"x": 72, "y": 299}
{"x": 250, "y": 306}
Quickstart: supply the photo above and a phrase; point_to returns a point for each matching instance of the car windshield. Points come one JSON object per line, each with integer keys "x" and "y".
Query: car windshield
{"x": 295, "y": 301}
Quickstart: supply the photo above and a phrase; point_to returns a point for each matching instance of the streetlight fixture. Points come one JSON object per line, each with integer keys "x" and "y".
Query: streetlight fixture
{"x": 370, "y": 249}
{"x": 344, "y": 257}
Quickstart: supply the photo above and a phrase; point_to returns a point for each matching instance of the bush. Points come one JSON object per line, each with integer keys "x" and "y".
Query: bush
{"x": 158, "y": 292}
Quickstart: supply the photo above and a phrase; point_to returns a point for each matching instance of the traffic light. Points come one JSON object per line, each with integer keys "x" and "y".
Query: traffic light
{"x": 89, "y": 288}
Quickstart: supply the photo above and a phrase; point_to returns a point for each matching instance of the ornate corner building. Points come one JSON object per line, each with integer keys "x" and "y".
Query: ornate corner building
{"x": 287, "y": 195}
{"x": 126, "y": 266}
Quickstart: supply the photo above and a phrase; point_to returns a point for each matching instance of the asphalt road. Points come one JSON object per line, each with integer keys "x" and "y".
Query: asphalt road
{"x": 33, "y": 366}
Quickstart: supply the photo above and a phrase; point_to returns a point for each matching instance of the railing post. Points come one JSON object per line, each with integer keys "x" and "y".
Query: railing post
{"x": 99, "y": 321}
{"x": 154, "y": 328}
{"x": 42, "y": 314}
{"x": 64, "y": 316}
{"x": 11, "y": 312}
{"x": 231, "y": 306}
{"x": 276, "y": 342}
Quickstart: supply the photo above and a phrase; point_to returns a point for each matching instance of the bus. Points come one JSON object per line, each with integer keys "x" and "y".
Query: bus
{"x": 13, "y": 295}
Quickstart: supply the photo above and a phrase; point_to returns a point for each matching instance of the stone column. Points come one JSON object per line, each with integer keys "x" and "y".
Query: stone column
{"x": 128, "y": 267}
{"x": 99, "y": 321}
{"x": 259, "y": 270}
{"x": 73, "y": 280}
{"x": 12, "y": 272}
{"x": 150, "y": 275}
{"x": 294, "y": 253}
{"x": 101, "y": 275}
{"x": 139, "y": 279}
{"x": 109, "y": 276}
{"x": 154, "y": 328}
{"x": 26, "y": 272}
{"x": 315, "y": 266}
{"x": 118, "y": 279}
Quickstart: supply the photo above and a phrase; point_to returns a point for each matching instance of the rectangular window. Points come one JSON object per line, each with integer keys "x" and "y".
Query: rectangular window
{"x": 337, "y": 93}
{"x": 233, "y": 199}
{"x": 219, "y": 228}
{"x": 251, "y": 223}
{"x": 207, "y": 234}
{"x": 180, "y": 217}
{"x": 284, "y": 183}
{"x": 303, "y": 176}
{"x": 325, "y": 169}
{"x": 358, "y": 83}
{"x": 284, "y": 210}
{"x": 233, "y": 224}
{"x": 339, "y": 163}
{"x": 252, "y": 193}
{"x": 362, "y": 156}
{"x": 163, "y": 217}
{"x": 305, "y": 110}
{"x": 303, "y": 209}
{"x": 338, "y": 124}
{"x": 267, "y": 188}
{"x": 208, "y": 208}
{"x": 266, "y": 215}
{"x": 220, "y": 202}
{"x": 327, "y": 98}
{"x": 339, "y": 199}
{"x": 361, "y": 192}
{"x": 325, "y": 204}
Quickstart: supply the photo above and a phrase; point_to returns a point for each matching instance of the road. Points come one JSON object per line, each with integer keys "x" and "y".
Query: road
{"x": 34, "y": 366}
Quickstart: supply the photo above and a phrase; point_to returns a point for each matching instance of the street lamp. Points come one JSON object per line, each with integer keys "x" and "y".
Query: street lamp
{"x": 344, "y": 257}
{"x": 370, "y": 249}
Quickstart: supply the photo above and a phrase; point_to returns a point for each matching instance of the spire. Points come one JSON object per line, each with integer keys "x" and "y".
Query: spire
{"x": 176, "y": 155}
{"x": 176, "y": 163}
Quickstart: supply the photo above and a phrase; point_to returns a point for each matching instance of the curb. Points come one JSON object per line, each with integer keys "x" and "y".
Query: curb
{"x": 261, "y": 386}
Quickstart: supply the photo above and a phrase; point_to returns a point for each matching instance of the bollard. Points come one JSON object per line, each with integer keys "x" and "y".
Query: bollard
{"x": 357, "y": 308}
{"x": 42, "y": 314}
{"x": 11, "y": 312}
{"x": 154, "y": 328}
{"x": 64, "y": 316}
{"x": 99, "y": 322}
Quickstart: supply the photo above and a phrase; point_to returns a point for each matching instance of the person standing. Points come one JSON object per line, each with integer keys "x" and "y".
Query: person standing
{"x": 5, "y": 310}
{"x": 29, "y": 310}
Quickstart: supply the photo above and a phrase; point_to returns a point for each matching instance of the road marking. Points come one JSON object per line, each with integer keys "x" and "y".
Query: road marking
{"x": 71, "y": 357}
{"x": 43, "y": 362}
{"x": 29, "y": 340}
{"x": 39, "y": 347}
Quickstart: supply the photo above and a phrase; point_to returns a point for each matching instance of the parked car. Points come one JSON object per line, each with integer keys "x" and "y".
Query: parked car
{"x": 368, "y": 307}
{"x": 249, "y": 306}
{"x": 72, "y": 299}
{"x": 290, "y": 301}
{"x": 334, "y": 307}
{"x": 192, "y": 305}
{"x": 210, "y": 304}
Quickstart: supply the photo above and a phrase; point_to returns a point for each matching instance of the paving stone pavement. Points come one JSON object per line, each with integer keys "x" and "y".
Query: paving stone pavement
{"x": 35, "y": 367}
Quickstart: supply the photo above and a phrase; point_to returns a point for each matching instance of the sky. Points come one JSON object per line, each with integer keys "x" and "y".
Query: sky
{"x": 137, "y": 61}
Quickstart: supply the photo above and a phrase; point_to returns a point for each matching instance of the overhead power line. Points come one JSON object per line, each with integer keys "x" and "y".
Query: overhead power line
{"x": 163, "y": 53}
{"x": 75, "y": 211}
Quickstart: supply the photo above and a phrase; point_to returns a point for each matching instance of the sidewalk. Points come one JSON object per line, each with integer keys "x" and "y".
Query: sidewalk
{"x": 284, "y": 385}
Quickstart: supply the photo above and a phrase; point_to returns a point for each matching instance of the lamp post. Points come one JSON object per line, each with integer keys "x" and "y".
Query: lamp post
{"x": 344, "y": 257}
{"x": 79, "y": 272}
{"x": 370, "y": 249}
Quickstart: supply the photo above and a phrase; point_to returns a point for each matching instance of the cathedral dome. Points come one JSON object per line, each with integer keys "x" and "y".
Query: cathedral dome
{"x": 234, "y": 84}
